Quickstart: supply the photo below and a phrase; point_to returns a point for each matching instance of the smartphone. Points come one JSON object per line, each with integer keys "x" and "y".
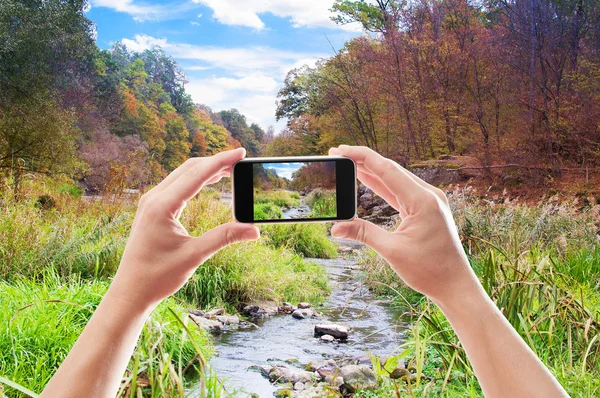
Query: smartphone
{"x": 294, "y": 189}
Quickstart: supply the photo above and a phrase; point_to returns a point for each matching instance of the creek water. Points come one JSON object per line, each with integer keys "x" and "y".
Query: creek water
{"x": 300, "y": 211}
{"x": 376, "y": 328}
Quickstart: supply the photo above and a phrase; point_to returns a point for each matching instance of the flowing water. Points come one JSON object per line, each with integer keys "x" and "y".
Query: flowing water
{"x": 375, "y": 328}
{"x": 301, "y": 211}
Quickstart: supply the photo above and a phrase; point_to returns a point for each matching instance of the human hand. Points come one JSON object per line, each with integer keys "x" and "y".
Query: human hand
{"x": 425, "y": 250}
{"x": 160, "y": 255}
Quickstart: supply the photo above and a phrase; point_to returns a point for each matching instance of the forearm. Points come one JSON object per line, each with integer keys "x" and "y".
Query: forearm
{"x": 103, "y": 350}
{"x": 504, "y": 365}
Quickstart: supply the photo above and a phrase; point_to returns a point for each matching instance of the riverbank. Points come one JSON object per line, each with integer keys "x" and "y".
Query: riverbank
{"x": 540, "y": 265}
{"x": 283, "y": 355}
{"x": 59, "y": 252}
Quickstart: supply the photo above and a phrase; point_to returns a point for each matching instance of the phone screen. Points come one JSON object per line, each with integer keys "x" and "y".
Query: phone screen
{"x": 294, "y": 190}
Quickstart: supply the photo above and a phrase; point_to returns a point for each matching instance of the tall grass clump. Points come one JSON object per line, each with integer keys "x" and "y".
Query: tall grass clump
{"x": 322, "y": 203}
{"x": 309, "y": 240}
{"x": 283, "y": 199}
{"x": 41, "y": 322}
{"x": 541, "y": 266}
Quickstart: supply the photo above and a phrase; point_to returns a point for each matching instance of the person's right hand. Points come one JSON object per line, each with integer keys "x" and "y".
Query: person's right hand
{"x": 425, "y": 251}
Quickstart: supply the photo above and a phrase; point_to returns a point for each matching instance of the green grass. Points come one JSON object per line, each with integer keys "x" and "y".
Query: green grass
{"x": 267, "y": 211}
{"x": 541, "y": 265}
{"x": 61, "y": 260}
{"x": 41, "y": 322}
{"x": 323, "y": 204}
{"x": 283, "y": 199}
{"x": 309, "y": 240}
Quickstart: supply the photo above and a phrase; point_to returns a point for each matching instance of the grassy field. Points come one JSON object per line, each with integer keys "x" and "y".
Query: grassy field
{"x": 540, "y": 265}
{"x": 270, "y": 205}
{"x": 58, "y": 253}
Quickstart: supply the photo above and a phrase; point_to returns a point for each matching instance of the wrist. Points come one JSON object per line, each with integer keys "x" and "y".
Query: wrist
{"x": 122, "y": 297}
{"x": 469, "y": 301}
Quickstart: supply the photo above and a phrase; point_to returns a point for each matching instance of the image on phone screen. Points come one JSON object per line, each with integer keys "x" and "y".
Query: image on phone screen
{"x": 294, "y": 190}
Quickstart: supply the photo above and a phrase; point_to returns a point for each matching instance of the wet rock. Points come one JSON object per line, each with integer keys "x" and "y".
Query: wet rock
{"x": 228, "y": 319}
{"x": 281, "y": 374}
{"x": 304, "y": 305}
{"x": 366, "y": 201}
{"x": 287, "y": 308}
{"x": 357, "y": 377}
{"x": 263, "y": 370}
{"x": 263, "y": 310}
{"x": 334, "y": 382}
{"x": 327, "y": 368}
{"x": 328, "y": 338}
{"x": 196, "y": 312}
{"x": 305, "y": 313}
{"x": 207, "y": 324}
{"x": 399, "y": 373}
{"x": 337, "y": 331}
{"x": 214, "y": 313}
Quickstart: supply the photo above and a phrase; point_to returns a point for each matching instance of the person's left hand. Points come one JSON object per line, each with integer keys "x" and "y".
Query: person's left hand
{"x": 160, "y": 255}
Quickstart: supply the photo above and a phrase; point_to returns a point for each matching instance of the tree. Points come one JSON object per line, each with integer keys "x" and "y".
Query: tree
{"x": 39, "y": 57}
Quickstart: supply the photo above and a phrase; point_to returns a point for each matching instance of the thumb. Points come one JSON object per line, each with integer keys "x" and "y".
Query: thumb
{"x": 365, "y": 232}
{"x": 203, "y": 247}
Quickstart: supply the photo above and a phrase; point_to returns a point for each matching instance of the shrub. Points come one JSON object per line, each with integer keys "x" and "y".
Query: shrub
{"x": 267, "y": 211}
{"x": 309, "y": 240}
{"x": 41, "y": 322}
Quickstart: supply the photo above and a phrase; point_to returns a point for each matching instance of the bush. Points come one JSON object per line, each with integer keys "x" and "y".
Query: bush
{"x": 310, "y": 240}
{"x": 541, "y": 266}
{"x": 267, "y": 211}
{"x": 41, "y": 322}
{"x": 322, "y": 203}
{"x": 283, "y": 199}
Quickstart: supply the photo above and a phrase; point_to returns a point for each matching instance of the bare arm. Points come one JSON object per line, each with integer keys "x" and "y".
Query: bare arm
{"x": 159, "y": 258}
{"x": 425, "y": 251}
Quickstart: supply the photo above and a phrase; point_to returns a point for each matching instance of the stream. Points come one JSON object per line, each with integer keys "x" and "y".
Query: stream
{"x": 375, "y": 328}
{"x": 301, "y": 211}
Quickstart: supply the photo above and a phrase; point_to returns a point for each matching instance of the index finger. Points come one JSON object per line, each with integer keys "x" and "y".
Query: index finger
{"x": 188, "y": 184}
{"x": 391, "y": 175}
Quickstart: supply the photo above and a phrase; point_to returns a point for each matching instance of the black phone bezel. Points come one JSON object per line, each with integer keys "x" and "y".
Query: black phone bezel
{"x": 243, "y": 190}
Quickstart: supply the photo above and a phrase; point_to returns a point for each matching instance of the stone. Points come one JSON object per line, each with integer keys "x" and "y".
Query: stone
{"x": 196, "y": 312}
{"x": 228, "y": 319}
{"x": 287, "y": 308}
{"x": 263, "y": 370}
{"x": 334, "y": 382}
{"x": 328, "y": 338}
{"x": 281, "y": 374}
{"x": 299, "y": 386}
{"x": 357, "y": 377}
{"x": 207, "y": 324}
{"x": 366, "y": 201}
{"x": 328, "y": 368}
{"x": 399, "y": 373}
{"x": 304, "y": 305}
{"x": 214, "y": 313}
{"x": 263, "y": 310}
{"x": 304, "y": 313}
{"x": 337, "y": 331}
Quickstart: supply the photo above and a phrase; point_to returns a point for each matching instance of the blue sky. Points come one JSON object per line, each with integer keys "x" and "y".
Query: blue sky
{"x": 236, "y": 53}
{"x": 284, "y": 170}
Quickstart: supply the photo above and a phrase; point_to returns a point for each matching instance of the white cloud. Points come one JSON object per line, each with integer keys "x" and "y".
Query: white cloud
{"x": 141, "y": 11}
{"x": 194, "y": 23}
{"x": 309, "y": 13}
{"x": 244, "y": 78}
{"x": 239, "y": 60}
